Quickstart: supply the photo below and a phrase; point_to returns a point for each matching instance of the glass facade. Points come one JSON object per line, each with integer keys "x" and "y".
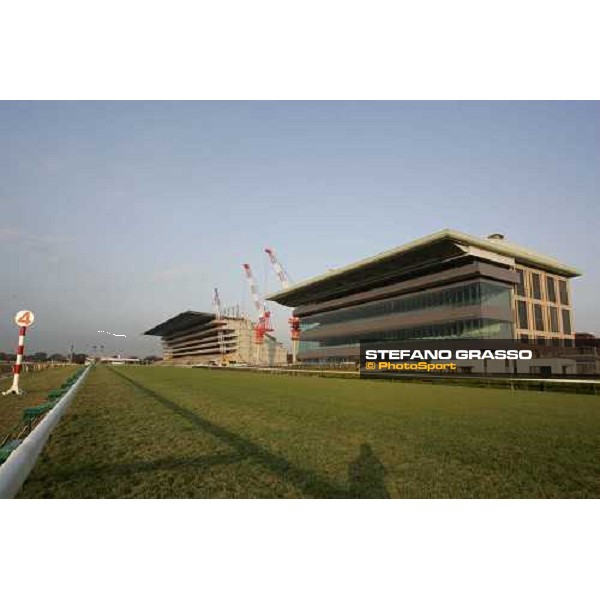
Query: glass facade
{"x": 550, "y": 289}
{"x": 467, "y": 328}
{"x": 476, "y": 294}
{"x": 563, "y": 292}
{"x": 521, "y": 284}
{"x": 553, "y": 319}
{"x": 542, "y": 302}
{"x": 536, "y": 286}
{"x": 538, "y": 317}
{"x": 523, "y": 318}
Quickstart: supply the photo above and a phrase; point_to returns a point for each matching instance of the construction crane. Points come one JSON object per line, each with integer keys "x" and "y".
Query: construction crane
{"x": 294, "y": 322}
{"x": 263, "y": 322}
{"x": 218, "y": 315}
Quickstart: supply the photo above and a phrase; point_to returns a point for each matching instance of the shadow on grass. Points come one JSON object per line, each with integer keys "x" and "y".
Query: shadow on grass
{"x": 125, "y": 469}
{"x": 308, "y": 481}
{"x": 365, "y": 473}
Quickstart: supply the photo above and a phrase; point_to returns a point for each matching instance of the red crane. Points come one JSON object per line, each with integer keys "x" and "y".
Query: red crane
{"x": 263, "y": 322}
{"x": 294, "y": 322}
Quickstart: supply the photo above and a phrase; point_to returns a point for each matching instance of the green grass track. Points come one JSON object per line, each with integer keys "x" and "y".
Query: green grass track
{"x": 165, "y": 432}
{"x": 36, "y": 385}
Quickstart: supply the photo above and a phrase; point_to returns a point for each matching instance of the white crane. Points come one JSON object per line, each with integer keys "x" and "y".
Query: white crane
{"x": 294, "y": 322}
{"x": 218, "y": 315}
{"x": 263, "y": 322}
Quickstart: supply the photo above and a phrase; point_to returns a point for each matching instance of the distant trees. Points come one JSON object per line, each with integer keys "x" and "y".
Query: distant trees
{"x": 148, "y": 360}
{"x": 37, "y": 357}
{"x": 40, "y": 357}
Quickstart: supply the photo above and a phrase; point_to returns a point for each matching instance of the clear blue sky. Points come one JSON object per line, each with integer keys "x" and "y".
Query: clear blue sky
{"x": 116, "y": 216}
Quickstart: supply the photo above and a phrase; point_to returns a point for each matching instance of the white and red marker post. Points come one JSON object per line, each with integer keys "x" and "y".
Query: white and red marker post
{"x": 24, "y": 318}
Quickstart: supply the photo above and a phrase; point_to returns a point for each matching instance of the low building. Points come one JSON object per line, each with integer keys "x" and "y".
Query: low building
{"x": 542, "y": 366}
{"x": 448, "y": 285}
{"x": 117, "y": 359}
{"x": 199, "y": 338}
{"x": 588, "y": 353}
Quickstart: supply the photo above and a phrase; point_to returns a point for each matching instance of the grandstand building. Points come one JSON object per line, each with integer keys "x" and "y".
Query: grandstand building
{"x": 448, "y": 285}
{"x": 199, "y": 338}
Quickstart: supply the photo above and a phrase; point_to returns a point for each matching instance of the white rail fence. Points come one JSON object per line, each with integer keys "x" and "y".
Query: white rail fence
{"x": 19, "y": 464}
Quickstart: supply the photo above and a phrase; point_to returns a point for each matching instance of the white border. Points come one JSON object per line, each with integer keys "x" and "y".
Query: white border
{"x": 302, "y": 549}
{"x": 325, "y": 49}
{"x": 276, "y": 50}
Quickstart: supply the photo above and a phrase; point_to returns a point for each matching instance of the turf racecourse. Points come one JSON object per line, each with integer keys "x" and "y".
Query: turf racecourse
{"x": 184, "y": 433}
{"x": 36, "y": 385}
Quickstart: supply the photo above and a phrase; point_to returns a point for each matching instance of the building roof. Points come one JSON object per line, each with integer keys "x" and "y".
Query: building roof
{"x": 443, "y": 245}
{"x": 181, "y": 321}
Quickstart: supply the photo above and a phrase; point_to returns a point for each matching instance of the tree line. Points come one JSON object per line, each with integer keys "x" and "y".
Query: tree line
{"x": 78, "y": 358}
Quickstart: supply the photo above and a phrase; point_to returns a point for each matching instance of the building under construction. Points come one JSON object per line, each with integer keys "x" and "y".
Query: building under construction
{"x": 203, "y": 338}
